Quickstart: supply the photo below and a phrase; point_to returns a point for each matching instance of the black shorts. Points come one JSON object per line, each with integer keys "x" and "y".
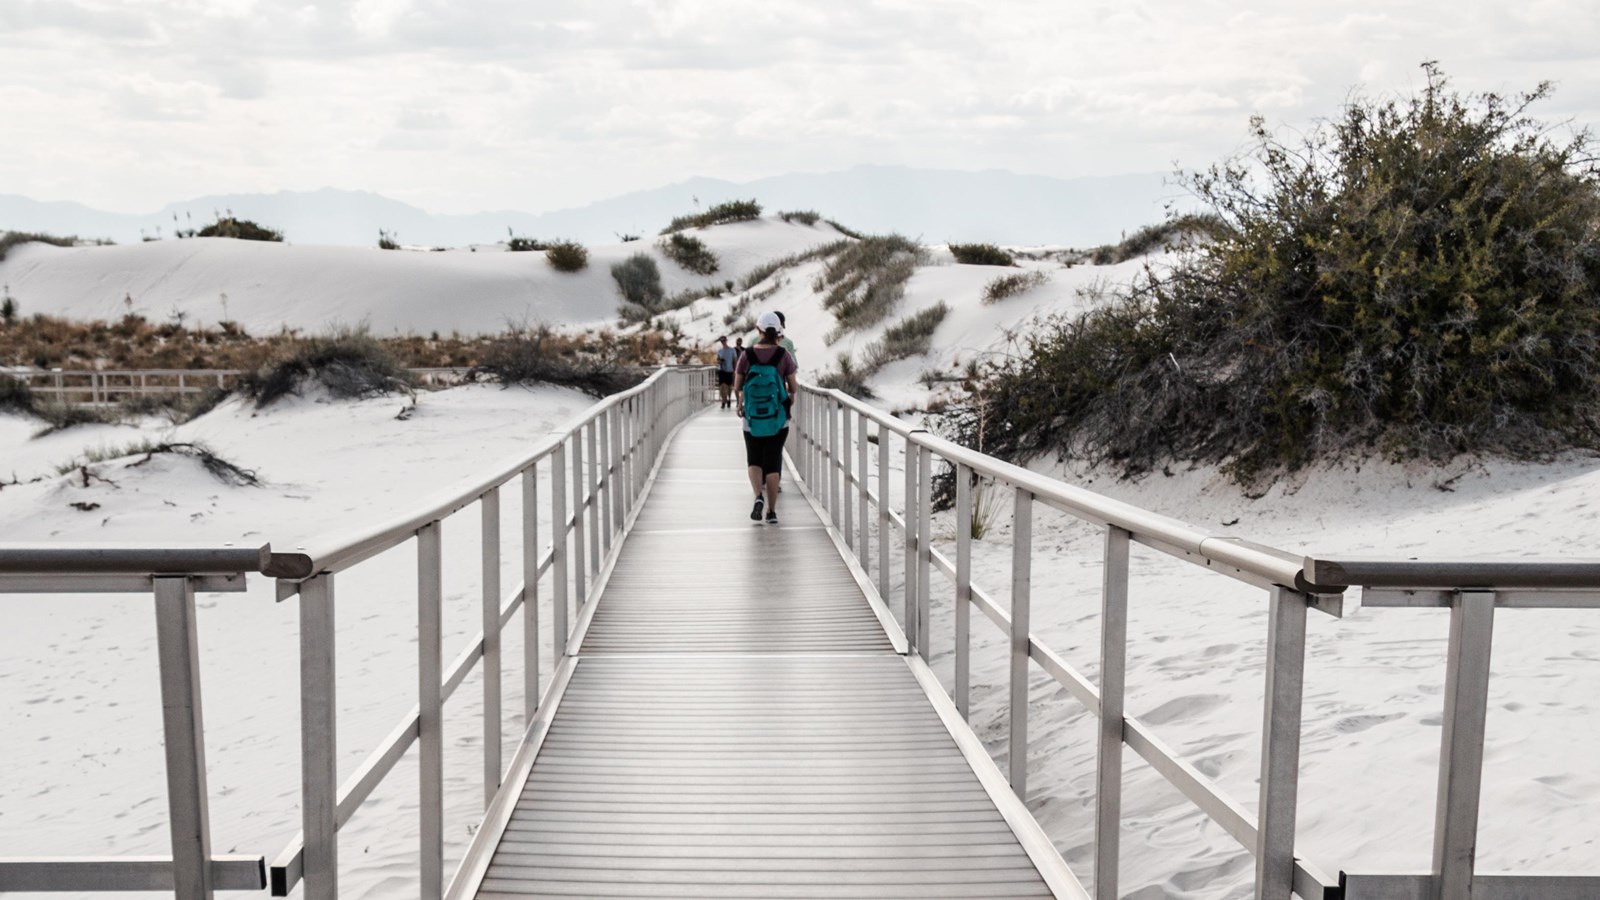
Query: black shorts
{"x": 724, "y": 377}
{"x": 766, "y": 452}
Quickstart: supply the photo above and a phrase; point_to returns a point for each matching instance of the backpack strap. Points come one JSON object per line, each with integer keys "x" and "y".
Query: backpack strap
{"x": 777, "y": 357}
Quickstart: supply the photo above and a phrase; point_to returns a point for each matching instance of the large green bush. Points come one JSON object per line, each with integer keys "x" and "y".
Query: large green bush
{"x": 1417, "y": 278}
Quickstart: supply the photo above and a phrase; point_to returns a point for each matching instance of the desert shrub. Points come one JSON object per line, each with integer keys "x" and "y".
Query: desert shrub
{"x": 8, "y": 310}
{"x": 1416, "y": 278}
{"x": 520, "y": 244}
{"x": 867, "y": 279}
{"x": 803, "y": 216}
{"x": 221, "y": 469}
{"x": 386, "y": 240}
{"x": 239, "y": 229}
{"x": 639, "y": 279}
{"x": 16, "y": 396}
{"x": 11, "y": 239}
{"x": 1187, "y": 230}
{"x": 538, "y": 355}
{"x": 848, "y": 377}
{"x": 722, "y": 213}
{"x": 911, "y": 336}
{"x": 1012, "y": 285}
{"x": 772, "y": 267}
{"x": 981, "y": 255}
{"x": 350, "y": 363}
{"x": 625, "y": 238}
{"x": 59, "y": 416}
{"x": 567, "y": 256}
{"x": 847, "y": 232}
{"x": 689, "y": 252}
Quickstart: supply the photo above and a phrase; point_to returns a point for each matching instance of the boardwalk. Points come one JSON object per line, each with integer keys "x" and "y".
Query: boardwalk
{"x": 721, "y": 737}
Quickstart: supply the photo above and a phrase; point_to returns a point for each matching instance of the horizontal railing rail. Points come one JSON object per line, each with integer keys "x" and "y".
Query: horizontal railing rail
{"x": 597, "y": 465}
{"x": 835, "y": 457}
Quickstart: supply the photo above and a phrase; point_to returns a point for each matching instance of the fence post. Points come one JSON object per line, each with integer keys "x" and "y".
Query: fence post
{"x": 616, "y": 481}
{"x": 559, "y": 577}
{"x": 530, "y": 592}
{"x": 182, "y": 726}
{"x": 489, "y": 505}
{"x": 1280, "y": 744}
{"x": 1466, "y": 704}
{"x": 430, "y": 707}
{"x": 833, "y": 462}
{"x": 963, "y": 685}
{"x": 319, "y": 763}
{"x": 1021, "y": 593}
{"x": 1113, "y": 673}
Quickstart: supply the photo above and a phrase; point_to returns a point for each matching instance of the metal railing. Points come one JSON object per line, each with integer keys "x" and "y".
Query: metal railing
{"x": 101, "y": 387}
{"x": 833, "y": 452}
{"x": 597, "y": 466}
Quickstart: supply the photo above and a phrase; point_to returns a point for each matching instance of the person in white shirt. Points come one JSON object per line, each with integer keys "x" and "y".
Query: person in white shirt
{"x": 726, "y": 357}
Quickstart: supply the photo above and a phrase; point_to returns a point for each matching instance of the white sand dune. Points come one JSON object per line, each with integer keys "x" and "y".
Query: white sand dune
{"x": 78, "y": 677}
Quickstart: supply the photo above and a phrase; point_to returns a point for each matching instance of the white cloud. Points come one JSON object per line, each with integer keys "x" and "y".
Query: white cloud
{"x": 564, "y": 101}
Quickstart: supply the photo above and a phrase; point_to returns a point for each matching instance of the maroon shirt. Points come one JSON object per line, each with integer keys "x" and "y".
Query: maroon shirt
{"x": 764, "y": 354}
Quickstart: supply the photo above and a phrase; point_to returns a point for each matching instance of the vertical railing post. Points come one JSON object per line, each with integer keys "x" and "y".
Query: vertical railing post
{"x": 1466, "y": 704}
{"x": 910, "y": 548}
{"x": 489, "y": 507}
{"x": 602, "y": 490}
{"x": 579, "y": 557}
{"x": 559, "y": 577}
{"x": 963, "y": 683}
{"x": 846, "y": 454}
{"x": 319, "y": 762}
{"x": 924, "y": 549}
{"x": 863, "y": 552}
{"x": 430, "y": 709}
{"x": 591, "y": 501}
{"x": 530, "y": 592}
{"x": 833, "y": 462}
{"x": 883, "y": 513}
{"x": 1280, "y": 744}
{"x": 178, "y": 649}
{"x": 1108, "y": 756}
{"x": 1021, "y": 595}
{"x": 616, "y": 481}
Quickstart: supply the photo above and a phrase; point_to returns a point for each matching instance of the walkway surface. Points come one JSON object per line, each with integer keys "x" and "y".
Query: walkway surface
{"x": 738, "y": 724}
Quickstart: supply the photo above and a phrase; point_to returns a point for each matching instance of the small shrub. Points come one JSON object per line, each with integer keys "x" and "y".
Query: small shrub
{"x": 804, "y": 216}
{"x": 59, "y": 416}
{"x": 349, "y": 363}
{"x": 627, "y": 238}
{"x": 1012, "y": 285}
{"x": 847, "y": 377}
{"x": 639, "y": 279}
{"x": 847, "y": 232}
{"x": 386, "y": 240}
{"x": 567, "y": 256}
{"x": 911, "y": 336}
{"x": 519, "y": 244}
{"x": 772, "y": 267}
{"x": 8, "y": 310}
{"x": 721, "y": 214}
{"x": 539, "y": 355}
{"x": 981, "y": 255}
{"x": 1188, "y": 230}
{"x": 689, "y": 252}
{"x": 11, "y": 239}
{"x": 221, "y": 469}
{"x": 867, "y": 279}
{"x": 239, "y": 229}
{"x": 16, "y": 396}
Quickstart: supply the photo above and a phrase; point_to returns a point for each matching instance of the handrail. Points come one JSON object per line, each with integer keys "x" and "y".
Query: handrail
{"x": 602, "y": 456}
{"x": 833, "y": 461}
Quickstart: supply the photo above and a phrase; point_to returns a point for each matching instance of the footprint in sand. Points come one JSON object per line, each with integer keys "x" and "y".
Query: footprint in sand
{"x": 1358, "y": 724}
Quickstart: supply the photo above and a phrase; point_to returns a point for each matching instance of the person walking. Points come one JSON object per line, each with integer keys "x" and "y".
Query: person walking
{"x": 783, "y": 337}
{"x": 726, "y": 358}
{"x": 763, "y": 381}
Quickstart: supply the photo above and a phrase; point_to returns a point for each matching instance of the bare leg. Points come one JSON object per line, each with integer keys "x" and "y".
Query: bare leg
{"x": 755, "y": 480}
{"x": 772, "y": 491}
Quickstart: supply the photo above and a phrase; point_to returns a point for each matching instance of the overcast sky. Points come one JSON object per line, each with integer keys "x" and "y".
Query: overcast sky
{"x": 465, "y": 105}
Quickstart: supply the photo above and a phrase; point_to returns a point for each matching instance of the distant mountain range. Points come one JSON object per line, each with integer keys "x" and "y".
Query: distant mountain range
{"x": 935, "y": 205}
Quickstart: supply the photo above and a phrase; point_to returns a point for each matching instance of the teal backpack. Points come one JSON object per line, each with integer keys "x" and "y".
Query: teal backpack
{"x": 764, "y": 395}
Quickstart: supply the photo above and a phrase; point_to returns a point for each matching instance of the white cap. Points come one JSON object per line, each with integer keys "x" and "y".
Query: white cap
{"x": 769, "y": 320}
